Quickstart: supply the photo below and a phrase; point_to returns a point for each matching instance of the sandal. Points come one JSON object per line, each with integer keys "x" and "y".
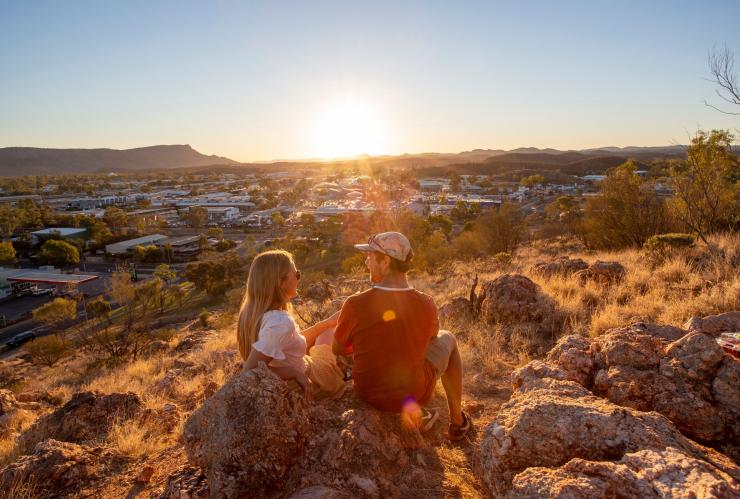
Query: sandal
{"x": 427, "y": 420}
{"x": 458, "y": 432}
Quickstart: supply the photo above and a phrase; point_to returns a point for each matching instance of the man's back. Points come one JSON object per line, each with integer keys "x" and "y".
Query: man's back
{"x": 389, "y": 331}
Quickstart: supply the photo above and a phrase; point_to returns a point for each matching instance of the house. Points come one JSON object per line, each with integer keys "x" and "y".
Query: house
{"x": 41, "y": 236}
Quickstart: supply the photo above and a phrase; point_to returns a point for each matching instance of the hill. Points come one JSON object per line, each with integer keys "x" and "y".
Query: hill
{"x": 38, "y": 161}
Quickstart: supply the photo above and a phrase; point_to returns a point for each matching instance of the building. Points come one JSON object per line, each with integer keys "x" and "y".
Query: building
{"x": 222, "y": 213}
{"x": 123, "y": 247}
{"x": 433, "y": 185}
{"x": 41, "y": 236}
{"x": 182, "y": 247}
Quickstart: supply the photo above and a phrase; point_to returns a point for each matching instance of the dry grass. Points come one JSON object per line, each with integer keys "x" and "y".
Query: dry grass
{"x": 135, "y": 439}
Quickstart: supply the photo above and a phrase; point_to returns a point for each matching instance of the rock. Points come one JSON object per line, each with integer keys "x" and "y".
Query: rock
{"x": 187, "y": 482}
{"x": 318, "y": 291}
{"x": 603, "y": 273}
{"x": 514, "y": 300}
{"x": 319, "y": 492}
{"x": 8, "y": 402}
{"x": 171, "y": 385}
{"x": 625, "y": 346}
{"x": 145, "y": 475}
{"x": 458, "y": 308}
{"x": 549, "y": 422}
{"x": 56, "y": 468}
{"x": 248, "y": 435}
{"x": 714, "y": 325}
{"x": 228, "y": 360}
{"x": 644, "y": 474}
{"x": 193, "y": 340}
{"x": 562, "y": 266}
{"x": 366, "y": 485}
{"x": 87, "y": 416}
{"x": 573, "y": 355}
{"x": 39, "y": 396}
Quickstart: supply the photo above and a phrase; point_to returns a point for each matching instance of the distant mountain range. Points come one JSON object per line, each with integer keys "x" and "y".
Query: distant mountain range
{"x": 39, "y": 161}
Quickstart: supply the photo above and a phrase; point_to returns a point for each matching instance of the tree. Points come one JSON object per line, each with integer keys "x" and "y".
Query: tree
{"x": 48, "y": 350}
{"x": 216, "y": 277}
{"x": 626, "y": 212}
{"x": 10, "y": 220}
{"x": 216, "y": 232}
{"x": 454, "y": 178}
{"x": 7, "y": 253}
{"x": 707, "y": 186}
{"x": 166, "y": 275}
{"x": 197, "y": 216}
{"x": 532, "y": 180}
{"x": 494, "y": 231}
{"x": 116, "y": 219}
{"x": 722, "y": 68}
{"x": 278, "y": 219}
{"x": 56, "y": 311}
{"x": 59, "y": 253}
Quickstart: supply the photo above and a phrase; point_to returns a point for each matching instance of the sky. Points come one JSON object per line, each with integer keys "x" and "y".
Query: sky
{"x": 256, "y": 81}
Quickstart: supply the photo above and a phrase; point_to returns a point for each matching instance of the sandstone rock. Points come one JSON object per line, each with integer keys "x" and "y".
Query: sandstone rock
{"x": 318, "y": 291}
{"x": 248, "y": 435}
{"x": 644, "y": 474}
{"x": 319, "y": 492}
{"x": 193, "y": 340}
{"x": 515, "y": 301}
{"x": 603, "y": 273}
{"x": 187, "y": 482}
{"x": 625, "y": 346}
{"x": 459, "y": 308}
{"x": 87, "y": 416}
{"x": 145, "y": 475}
{"x": 55, "y": 468}
{"x": 550, "y": 421}
{"x": 715, "y": 324}
{"x": 562, "y": 266}
{"x": 573, "y": 355}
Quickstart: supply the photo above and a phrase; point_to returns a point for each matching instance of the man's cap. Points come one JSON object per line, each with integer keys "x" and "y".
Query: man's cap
{"x": 393, "y": 244}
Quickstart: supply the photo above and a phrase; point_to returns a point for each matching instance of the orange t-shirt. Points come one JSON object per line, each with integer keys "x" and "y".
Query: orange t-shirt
{"x": 388, "y": 332}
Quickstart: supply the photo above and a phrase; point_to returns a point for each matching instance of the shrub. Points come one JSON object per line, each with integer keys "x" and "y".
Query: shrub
{"x": 48, "y": 350}
{"x": 660, "y": 245}
{"x": 204, "y": 317}
{"x": 165, "y": 334}
{"x": 502, "y": 258}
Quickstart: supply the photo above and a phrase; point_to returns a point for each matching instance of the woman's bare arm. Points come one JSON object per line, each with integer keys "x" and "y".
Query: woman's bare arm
{"x": 315, "y": 331}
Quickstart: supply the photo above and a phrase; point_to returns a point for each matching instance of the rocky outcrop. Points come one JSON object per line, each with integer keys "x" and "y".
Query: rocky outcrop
{"x": 249, "y": 434}
{"x": 551, "y": 421}
{"x": 55, "y": 468}
{"x": 458, "y": 309}
{"x": 714, "y": 325}
{"x": 256, "y": 433}
{"x": 87, "y": 416}
{"x": 645, "y": 474}
{"x": 603, "y": 273}
{"x": 560, "y": 266}
{"x": 530, "y": 318}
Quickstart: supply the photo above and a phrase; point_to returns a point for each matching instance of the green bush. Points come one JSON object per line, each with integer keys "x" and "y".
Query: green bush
{"x": 502, "y": 258}
{"x": 660, "y": 245}
{"x": 204, "y": 318}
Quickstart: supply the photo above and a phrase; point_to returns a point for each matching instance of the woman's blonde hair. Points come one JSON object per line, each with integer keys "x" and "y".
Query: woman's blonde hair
{"x": 263, "y": 293}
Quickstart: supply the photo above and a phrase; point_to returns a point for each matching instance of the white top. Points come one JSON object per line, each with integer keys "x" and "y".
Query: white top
{"x": 278, "y": 338}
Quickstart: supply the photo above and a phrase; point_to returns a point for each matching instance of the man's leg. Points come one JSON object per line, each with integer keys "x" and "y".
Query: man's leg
{"x": 443, "y": 354}
{"x": 452, "y": 383}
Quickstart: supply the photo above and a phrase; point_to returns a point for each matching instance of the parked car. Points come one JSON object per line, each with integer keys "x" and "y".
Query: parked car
{"x": 41, "y": 291}
{"x": 20, "y": 339}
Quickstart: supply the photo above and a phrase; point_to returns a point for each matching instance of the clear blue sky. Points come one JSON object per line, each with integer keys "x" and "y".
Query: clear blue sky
{"x": 251, "y": 80}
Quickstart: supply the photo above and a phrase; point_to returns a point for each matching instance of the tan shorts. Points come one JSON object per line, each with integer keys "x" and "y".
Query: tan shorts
{"x": 439, "y": 351}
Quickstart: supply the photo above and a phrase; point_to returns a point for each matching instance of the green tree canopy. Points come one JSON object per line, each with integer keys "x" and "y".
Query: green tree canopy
{"x": 59, "y": 253}
{"x": 7, "y": 253}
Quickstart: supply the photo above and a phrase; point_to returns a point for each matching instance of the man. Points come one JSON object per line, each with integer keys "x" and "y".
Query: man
{"x": 392, "y": 332}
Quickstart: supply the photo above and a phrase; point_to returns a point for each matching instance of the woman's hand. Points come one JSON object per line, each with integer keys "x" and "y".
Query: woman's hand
{"x": 332, "y": 320}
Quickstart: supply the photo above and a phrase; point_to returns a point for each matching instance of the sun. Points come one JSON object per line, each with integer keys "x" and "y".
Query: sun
{"x": 346, "y": 128}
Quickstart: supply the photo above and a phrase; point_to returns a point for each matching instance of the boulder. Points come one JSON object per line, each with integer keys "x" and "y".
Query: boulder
{"x": 248, "y": 435}
{"x": 319, "y": 291}
{"x": 549, "y": 421}
{"x": 87, "y": 416}
{"x": 572, "y": 354}
{"x": 193, "y": 340}
{"x": 645, "y": 474}
{"x": 714, "y": 325}
{"x": 561, "y": 266}
{"x": 187, "y": 482}
{"x": 55, "y": 468}
{"x": 457, "y": 309}
{"x": 603, "y": 273}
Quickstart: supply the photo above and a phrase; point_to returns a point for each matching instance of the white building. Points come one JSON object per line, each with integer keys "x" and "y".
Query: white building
{"x": 222, "y": 214}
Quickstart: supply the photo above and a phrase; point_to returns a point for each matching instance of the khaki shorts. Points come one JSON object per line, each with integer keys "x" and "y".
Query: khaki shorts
{"x": 439, "y": 351}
